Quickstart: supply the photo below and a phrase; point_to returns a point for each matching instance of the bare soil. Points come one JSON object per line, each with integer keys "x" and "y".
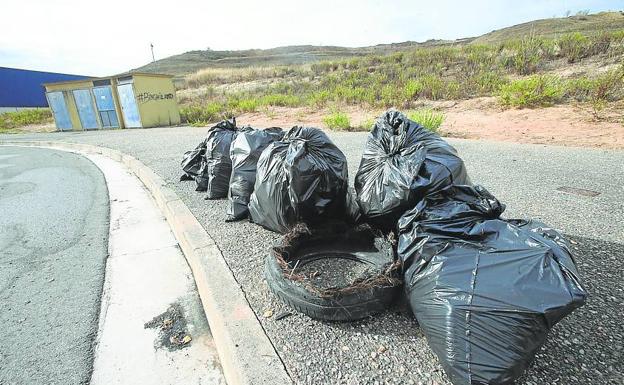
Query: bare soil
{"x": 483, "y": 118}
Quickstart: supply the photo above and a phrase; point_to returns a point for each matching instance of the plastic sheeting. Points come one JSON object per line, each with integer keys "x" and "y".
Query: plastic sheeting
{"x": 402, "y": 162}
{"x": 302, "y": 178}
{"x": 216, "y": 167}
{"x": 485, "y": 291}
{"x": 191, "y": 161}
{"x": 245, "y": 152}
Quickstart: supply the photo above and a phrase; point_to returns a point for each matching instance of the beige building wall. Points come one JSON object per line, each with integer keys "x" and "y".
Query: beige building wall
{"x": 155, "y": 96}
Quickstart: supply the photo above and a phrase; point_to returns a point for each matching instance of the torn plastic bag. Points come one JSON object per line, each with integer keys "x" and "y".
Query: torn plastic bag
{"x": 216, "y": 166}
{"x": 191, "y": 162}
{"x": 302, "y": 178}
{"x": 245, "y": 152}
{"x": 402, "y": 162}
{"x": 485, "y": 291}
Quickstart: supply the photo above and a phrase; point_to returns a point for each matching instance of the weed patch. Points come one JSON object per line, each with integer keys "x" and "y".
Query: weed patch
{"x": 12, "y": 120}
{"x": 337, "y": 121}
{"x": 428, "y": 118}
{"x": 534, "y": 91}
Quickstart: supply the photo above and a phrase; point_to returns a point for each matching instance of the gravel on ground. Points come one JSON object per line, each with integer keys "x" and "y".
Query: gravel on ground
{"x": 585, "y": 348}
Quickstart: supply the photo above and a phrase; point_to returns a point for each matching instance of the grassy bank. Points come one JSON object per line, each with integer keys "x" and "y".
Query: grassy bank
{"x": 521, "y": 73}
{"x": 12, "y": 121}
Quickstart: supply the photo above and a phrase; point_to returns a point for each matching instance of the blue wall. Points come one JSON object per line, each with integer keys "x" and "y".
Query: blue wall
{"x": 22, "y": 88}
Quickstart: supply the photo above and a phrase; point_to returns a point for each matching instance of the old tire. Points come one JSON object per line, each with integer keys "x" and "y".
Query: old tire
{"x": 346, "y": 305}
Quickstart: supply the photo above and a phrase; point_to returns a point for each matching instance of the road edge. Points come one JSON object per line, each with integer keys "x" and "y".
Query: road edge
{"x": 246, "y": 353}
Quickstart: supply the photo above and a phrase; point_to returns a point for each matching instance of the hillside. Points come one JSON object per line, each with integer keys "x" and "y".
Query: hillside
{"x": 193, "y": 61}
{"x": 555, "y": 27}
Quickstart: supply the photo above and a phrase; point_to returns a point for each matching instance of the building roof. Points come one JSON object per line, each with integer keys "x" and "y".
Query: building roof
{"x": 111, "y": 77}
{"x": 23, "y": 88}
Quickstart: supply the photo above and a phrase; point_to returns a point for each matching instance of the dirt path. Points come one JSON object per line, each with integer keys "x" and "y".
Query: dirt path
{"x": 482, "y": 118}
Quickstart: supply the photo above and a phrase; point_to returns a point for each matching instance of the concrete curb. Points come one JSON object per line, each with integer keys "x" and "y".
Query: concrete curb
{"x": 246, "y": 353}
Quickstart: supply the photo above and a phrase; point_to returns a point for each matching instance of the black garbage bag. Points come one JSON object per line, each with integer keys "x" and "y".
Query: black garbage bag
{"x": 302, "y": 178}
{"x": 216, "y": 166}
{"x": 245, "y": 152}
{"x": 191, "y": 162}
{"x": 402, "y": 162}
{"x": 485, "y": 291}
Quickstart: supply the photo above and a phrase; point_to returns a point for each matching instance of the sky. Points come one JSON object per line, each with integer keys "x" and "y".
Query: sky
{"x": 113, "y": 36}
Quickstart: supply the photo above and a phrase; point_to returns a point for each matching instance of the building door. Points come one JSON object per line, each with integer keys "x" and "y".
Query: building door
{"x": 129, "y": 106}
{"x": 86, "y": 112}
{"x": 57, "y": 104}
{"x": 105, "y": 106}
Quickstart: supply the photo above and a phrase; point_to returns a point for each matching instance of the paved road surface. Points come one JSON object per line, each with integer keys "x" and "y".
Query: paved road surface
{"x": 53, "y": 248}
{"x": 586, "y": 348}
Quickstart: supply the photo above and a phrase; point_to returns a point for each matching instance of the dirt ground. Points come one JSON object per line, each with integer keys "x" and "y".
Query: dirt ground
{"x": 482, "y": 118}
{"x": 479, "y": 118}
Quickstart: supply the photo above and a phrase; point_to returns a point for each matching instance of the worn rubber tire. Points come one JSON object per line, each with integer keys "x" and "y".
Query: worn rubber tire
{"x": 348, "y": 306}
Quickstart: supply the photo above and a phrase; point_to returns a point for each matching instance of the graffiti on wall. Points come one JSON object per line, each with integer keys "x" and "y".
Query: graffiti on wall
{"x": 145, "y": 97}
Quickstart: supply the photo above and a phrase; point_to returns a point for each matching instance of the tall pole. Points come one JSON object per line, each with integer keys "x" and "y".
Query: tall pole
{"x": 152, "y": 47}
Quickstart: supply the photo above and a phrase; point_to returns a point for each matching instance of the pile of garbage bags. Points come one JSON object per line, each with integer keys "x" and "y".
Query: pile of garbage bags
{"x": 402, "y": 163}
{"x": 216, "y": 165}
{"x": 302, "y": 178}
{"x": 485, "y": 290}
{"x": 245, "y": 151}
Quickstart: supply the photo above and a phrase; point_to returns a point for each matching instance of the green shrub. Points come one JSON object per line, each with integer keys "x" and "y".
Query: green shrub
{"x": 11, "y": 120}
{"x": 609, "y": 86}
{"x": 573, "y": 46}
{"x": 365, "y": 125}
{"x": 337, "y": 120}
{"x": 534, "y": 91}
{"x": 428, "y": 118}
{"x": 412, "y": 88}
{"x": 280, "y": 100}
{"x": 483, "y": 83}
{"x": 319, "y": 98}
{"x": 433, "y": 87}
{"x": 244, "y": 105}
{"x": 202, "y": 115}
{"x": 526, "y": 55}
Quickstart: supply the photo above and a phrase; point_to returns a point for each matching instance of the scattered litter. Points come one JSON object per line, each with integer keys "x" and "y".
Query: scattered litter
{"x": 282, "y": 315}
{"x": 172, "y": 328}
{"x": 166, "y": 324}
{"x": 268, "y": 313}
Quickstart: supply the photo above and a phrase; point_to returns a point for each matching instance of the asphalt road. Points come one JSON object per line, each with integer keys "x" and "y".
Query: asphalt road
{"x": 585, "y": 348}
{"x": 53, "y": 249}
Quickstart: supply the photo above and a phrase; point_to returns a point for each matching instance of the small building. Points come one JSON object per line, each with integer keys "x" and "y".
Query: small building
{"x": 22, "y": 89}
{"x": 132, "y": 100}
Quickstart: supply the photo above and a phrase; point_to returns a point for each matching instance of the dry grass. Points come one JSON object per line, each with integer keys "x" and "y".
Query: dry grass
{"x": 522, "y": 71}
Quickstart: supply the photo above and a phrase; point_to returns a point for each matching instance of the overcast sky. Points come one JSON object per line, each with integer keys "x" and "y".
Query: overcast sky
{"x": 108, "y": 37}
